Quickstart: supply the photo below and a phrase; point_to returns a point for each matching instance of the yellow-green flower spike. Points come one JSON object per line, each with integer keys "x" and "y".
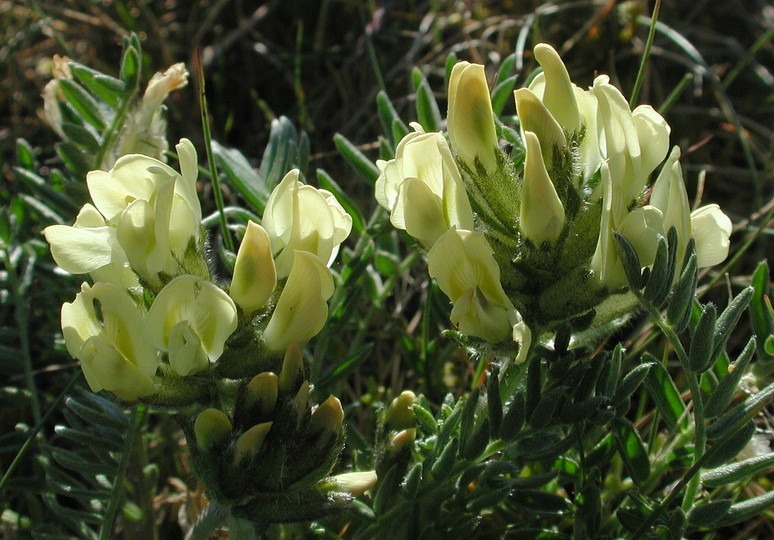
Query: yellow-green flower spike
{"x": 211, "y": 426}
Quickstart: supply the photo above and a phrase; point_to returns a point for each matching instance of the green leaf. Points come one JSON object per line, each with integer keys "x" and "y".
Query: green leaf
{"x": 730, "y": 317}
{"x": 364, "y": 166}
{"x": 130, "y": 67}
{"x": 88, "y": 108}
{"x": 281, "y": 153}
{"x": 25, "y": 155}
{"x": 722, "y": 396}
{"x": 544, "y": 411}
{"x": 107, "y": 88}
{"x": 75, "y": 159}
{"x": 241, "y": 175}
{"x": 664, "y": 393}
{"x": 540, "y": 502}
{"x": 660, "y": 279}
{"x": 389, "y": 118}
{"x": 724, "y": 451}
{"x": 502, "y": 93}
{"x": 80, "y": 136}
{"x": 738, "y": 471}
{"x": 700, "y": 357}
{"x": 493, "y": 400}
{"x": 746, "y": 409}
{"x": 631, "y": 449}
{"x": 678, "y": 310}
{"x": 468, "y": 417}
{"x": 748, "y": 509}
{"x": 761, "y": 315}
{"x": 609, "y": 383}
{"x": 513, "y": 418}
{"x": 445, "y": 461}
{"x": 708, "y": 514}
{"x": 631, "y": 382}
{"x": 630, "y": 261}
{"x": 428, "y": 113}
{"x": 412, "y": 481}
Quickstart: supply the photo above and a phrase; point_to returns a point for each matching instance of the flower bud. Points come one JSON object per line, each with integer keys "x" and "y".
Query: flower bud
{"x": 261, "y": 393}
{"x": 301, "y": 310}
{"x": 255, "y": 276}
{"x": 292, "y": 369}
{"x": 670, "y": 197}
{"x": 535, "y": 117}
{"x": 355, "y": 483}
{"x": 212, "y": 426}
{"x": 401, "y": 440}
{"x": 400, "y": 414}
{"x": 251, "y": 441}
{"x": 542, "y": 214}
{"x": 327, "y": 417}
{"x": 301, "y": 399}
{"x": 559, "y": 93}
{"x": 470, "y": 117}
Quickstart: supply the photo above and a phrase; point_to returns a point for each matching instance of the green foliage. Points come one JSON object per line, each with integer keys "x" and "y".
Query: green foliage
{"x": 645, "y": 435}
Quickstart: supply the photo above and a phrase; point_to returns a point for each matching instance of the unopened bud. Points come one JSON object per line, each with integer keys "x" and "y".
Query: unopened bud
{"x": 301, "y": 399}
{"x": 292, "y": 369}
{"x": 328, "y": 416}
{"x": 542, "y": 214}
{"x": 251, "y": 441}
{"x": 356, "y": 483}
{"x": 262, "y": 393}
{"x": 400, "y": 415}
{"x": 211, "y": 426}
{"x": 401, "y": 440}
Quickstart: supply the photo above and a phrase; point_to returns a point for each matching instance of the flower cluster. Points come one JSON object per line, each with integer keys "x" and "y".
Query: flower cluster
{"x": 155, "y": 313}
{"x": 526, "y": 240}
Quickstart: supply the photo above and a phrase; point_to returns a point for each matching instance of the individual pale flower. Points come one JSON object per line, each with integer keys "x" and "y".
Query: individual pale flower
{"x": 211, "y": 426}
{"x": 470, "y": 119}
{"x": 642, "y": 227}
{"x": 91, "y": 247}
{"x": 52, "y": 95}
{"x": 542, "y": 215}
{"x": 191, "y": 320}
{"x": 301, "y": 310}
{"x": 355, "y": 483}
{"x": 147, "y": 215}
{"x": 422, "y": 188}
{"x": 633, "y": 142}
{"x": 302, "y": 217}
{"x": 112, "y": 348}
{"x": 523, "y": 336}
{"x": 711, "y": 229}
{"x": 463, "y": 264}
{"x": 255, "y": 276}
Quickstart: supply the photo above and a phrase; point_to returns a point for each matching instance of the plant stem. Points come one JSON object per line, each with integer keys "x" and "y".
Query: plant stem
{"x": 699, "y": 437}
{"x": 645, "y": 56}
{"x": 227, "y": 240}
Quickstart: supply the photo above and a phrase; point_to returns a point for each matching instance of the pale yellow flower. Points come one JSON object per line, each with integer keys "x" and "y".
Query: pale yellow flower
{"x": 113, "y": 350}
{"x": 301, "y": 310}
{"x": 470, "y": 120}
{"x": 302, "y": 217}
{"x": 422, "y": 188}
{"x": 463, "y": 264}
{"x": 255, "y": 276}
{"x": 191, "y": 320}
